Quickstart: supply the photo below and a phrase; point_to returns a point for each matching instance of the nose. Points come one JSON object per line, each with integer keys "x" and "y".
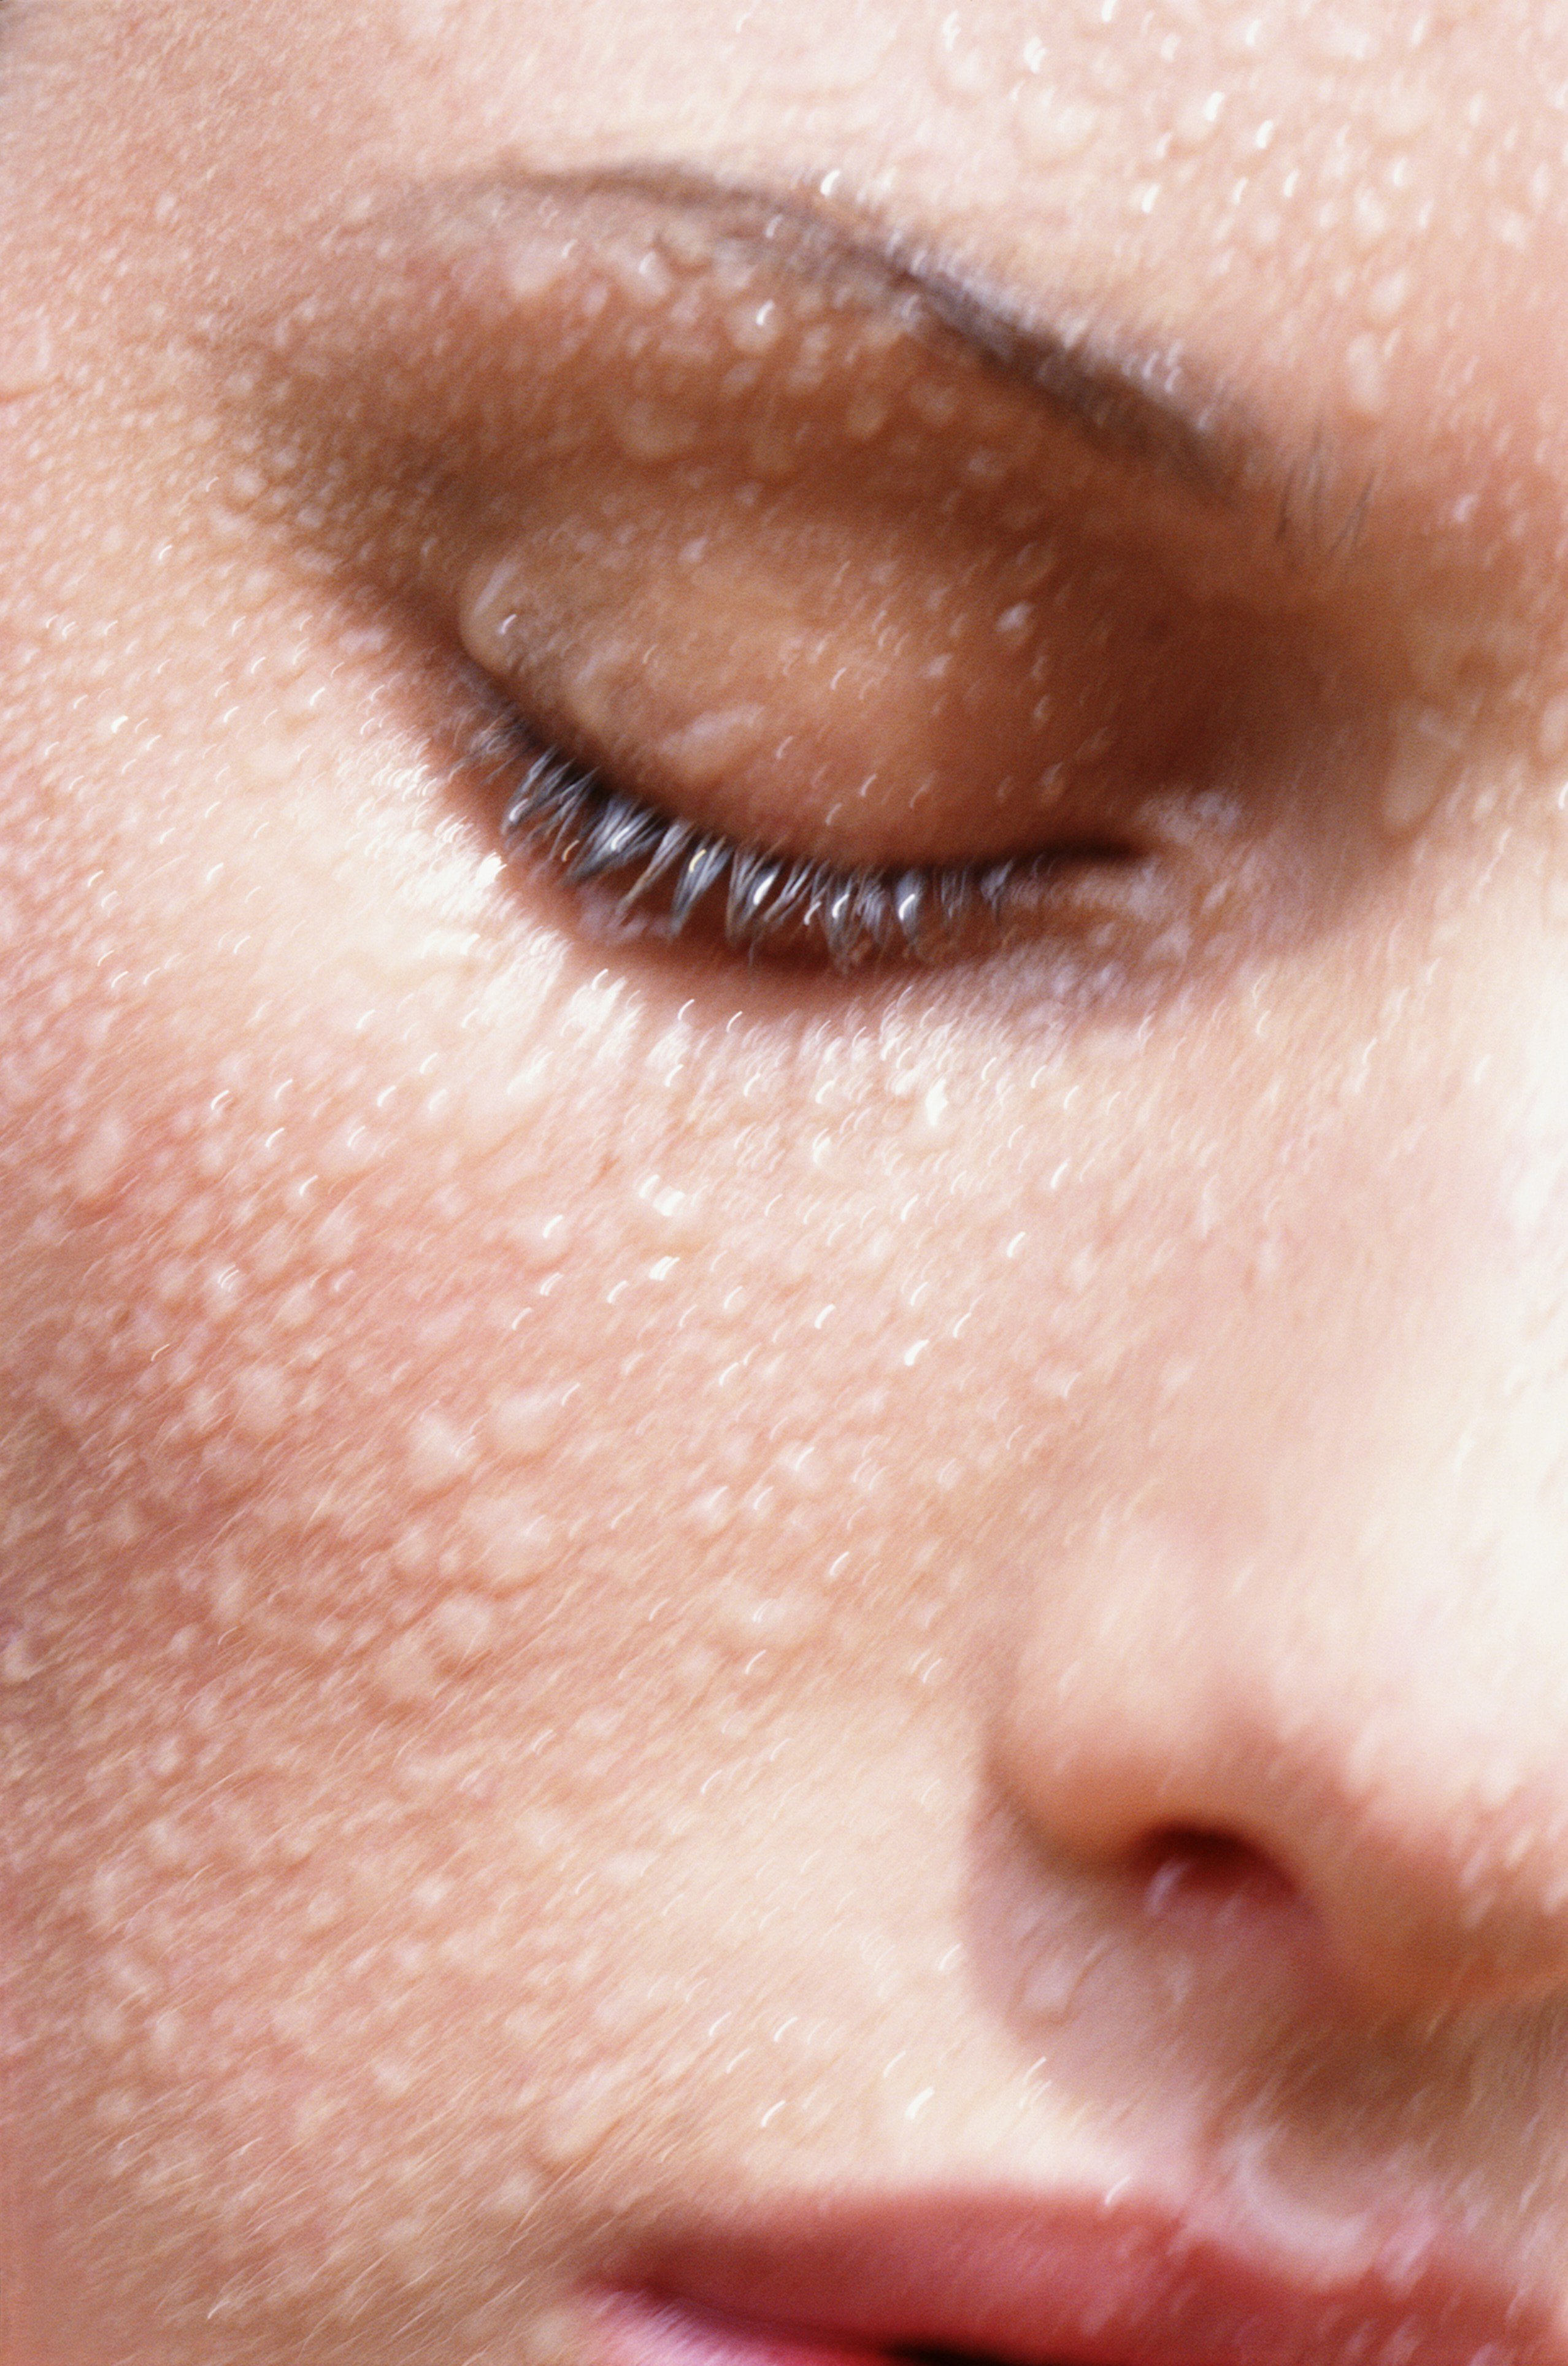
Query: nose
{"x": 1362, "y": 1719}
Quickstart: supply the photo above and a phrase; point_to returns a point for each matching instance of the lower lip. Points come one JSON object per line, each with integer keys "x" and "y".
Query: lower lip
{"x": 1078, "y": 2288}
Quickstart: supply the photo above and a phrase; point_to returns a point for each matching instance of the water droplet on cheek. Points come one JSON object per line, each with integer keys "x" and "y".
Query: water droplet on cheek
{"x": 262, "y": 1400}
{"x": 522, "y": 1425}
{"x": 438, "y": 1455}
{"x": 578, "y": 2119}
{"x": 102, "y": 1160}
{"x": 461, "y": 1630}
{"x": 1424, "y": 766}
{"x": 27, "y": 355}
{"x": 507, "y": 1542}
{"x": 669, "y": 1216}
{"x": 651, "y": 432}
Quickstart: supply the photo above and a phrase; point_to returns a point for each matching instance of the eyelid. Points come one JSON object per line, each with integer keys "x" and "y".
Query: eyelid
{"x": 588, "y": 830}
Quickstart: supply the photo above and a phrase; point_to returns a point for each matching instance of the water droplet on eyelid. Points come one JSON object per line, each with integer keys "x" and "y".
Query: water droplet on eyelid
{"x": 1056, "y": 127}
{"x": 1365, "y": 377}
{"x": 866, "y": 417}
{"x": 755, "y": 328}
{"x": 652, "y": 432}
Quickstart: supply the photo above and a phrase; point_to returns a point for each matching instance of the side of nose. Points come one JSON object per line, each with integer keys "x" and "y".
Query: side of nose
{"x": 1393, "y": 1744}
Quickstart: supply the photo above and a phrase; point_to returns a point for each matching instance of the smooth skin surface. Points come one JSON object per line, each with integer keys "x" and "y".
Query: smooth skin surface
{"x": 639, "y": 1583}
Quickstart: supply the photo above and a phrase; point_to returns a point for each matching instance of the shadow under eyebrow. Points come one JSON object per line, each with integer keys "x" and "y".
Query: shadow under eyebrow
{"x": 1126, "y": 405}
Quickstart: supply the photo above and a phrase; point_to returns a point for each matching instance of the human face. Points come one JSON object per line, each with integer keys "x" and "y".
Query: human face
{"x": 876, "y": 1649}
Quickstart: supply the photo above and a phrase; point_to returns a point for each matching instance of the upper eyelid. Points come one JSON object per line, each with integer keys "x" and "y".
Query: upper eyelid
{"x": 423, "y": 377}
{"x": 1116, "y": 403}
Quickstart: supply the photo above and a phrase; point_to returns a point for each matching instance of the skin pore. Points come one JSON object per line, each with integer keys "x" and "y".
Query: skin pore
{"x": 640, "y": 1585}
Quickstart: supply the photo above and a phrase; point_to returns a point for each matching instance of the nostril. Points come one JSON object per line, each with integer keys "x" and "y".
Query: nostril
{"x": 1187, "y": 1871}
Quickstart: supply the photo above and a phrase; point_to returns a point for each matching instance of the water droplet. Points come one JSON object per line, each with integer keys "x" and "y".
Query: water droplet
{"x": 671, "y": 1216}
{"x": 1387, "y": 298}
{"x": 404, "y": 1673}
{"x": 352, "y": 1150}
{"x": 26, "y": 354}
{"x": 579, "y": 2118}
{"x": 710, "y": 1513}
{"x": 1552, "y": 730}
{"x": 1366, "y": 377}
{"x": 1404, "y": 109}
{"x": 20, "y": 1663}
{"x": 779, "y": 1622}
{"x": 264, "y": 1401}
{"x": 524, "y": 1425}
{"x": 1423, "y": 767}
{"x": 1370, "y": 219}
{"x": 461, "y": 1630}
{"x": 755, "y": 328}
{"x": 1197, "y": 121}
{"x": 651, "y": 433}
{"x": 1332, "y": 2245}
{"x": 708, "y": 748}
{"x": 553, "y": 2338}
{"x": 540, "y": 1241}
{"x": 804, "y": 1468}
{"x": 866, "y": 417}
{"x": 439, "y": 1454}
{"x": 101, "y": 1161}
{"x": 510, "y": 1543}
{"x": 1058, "y": 128}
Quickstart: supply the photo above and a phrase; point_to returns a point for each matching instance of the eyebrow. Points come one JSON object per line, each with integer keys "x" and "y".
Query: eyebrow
{"x": 1140, "y": 406}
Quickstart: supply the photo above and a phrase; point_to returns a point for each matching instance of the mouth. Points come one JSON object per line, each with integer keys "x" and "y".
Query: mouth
{"x": 966, "y": 2279}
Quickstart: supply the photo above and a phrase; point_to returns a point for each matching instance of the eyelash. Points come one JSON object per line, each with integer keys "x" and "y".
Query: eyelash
{"x": 588, "y": 830}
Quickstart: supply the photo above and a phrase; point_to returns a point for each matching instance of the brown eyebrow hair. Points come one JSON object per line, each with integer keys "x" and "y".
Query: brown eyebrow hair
{"x": 1135, "y": 405}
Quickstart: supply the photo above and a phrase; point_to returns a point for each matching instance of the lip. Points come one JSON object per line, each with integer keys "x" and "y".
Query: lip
{"x": 1034, "y": 2282}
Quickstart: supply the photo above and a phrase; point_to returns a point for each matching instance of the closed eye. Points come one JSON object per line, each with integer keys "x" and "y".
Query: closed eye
{"x": 674, "y": 875}
{"x": 839, "y": 623}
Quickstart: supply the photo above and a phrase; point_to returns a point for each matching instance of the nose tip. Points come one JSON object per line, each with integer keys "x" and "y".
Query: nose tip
{"x": 1414, "y": 1822}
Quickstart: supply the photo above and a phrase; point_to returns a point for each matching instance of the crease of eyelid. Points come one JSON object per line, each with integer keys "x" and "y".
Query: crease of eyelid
{"x": 1146, "y": 406}
{"x": 588, "y": 830}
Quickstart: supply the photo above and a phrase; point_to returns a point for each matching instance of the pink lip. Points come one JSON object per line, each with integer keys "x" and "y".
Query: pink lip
{"x": 1037, "y": 2283}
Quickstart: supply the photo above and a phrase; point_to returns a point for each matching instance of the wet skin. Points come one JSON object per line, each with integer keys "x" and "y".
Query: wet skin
{"x": 640, "y": 1583}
